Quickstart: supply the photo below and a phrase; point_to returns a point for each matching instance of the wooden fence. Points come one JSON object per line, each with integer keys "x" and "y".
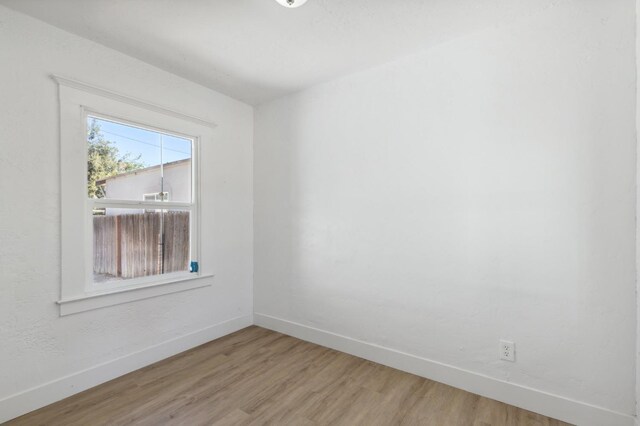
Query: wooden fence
{"x": 130, "y": 245}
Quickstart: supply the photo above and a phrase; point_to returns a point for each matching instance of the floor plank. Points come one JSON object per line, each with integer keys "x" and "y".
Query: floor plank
{"x": 260, "y": 377}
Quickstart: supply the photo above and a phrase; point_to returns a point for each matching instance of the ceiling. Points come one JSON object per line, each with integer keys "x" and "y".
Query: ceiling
{"x": 257, "y": 50}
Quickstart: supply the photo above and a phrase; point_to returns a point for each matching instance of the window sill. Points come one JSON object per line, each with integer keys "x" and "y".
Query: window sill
{"x": 125, "y": 295}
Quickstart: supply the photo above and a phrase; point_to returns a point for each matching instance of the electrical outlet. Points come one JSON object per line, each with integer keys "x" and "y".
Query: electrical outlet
{"x": 507, "y": 350}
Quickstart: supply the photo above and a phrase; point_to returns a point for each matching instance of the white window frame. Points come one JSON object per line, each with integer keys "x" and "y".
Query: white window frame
{"x": 78, "y": 291}
{"x": 136, "y": 205}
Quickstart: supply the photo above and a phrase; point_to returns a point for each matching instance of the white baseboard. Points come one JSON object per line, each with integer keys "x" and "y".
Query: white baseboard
{"x": 555, "y": 406}
{"x": 48, "y": 393}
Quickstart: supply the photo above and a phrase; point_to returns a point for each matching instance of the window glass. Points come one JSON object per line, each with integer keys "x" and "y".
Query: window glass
{"x": 132, "y": 243}
{"x": 126, "y": 162}
{"x": 176, "y": 168}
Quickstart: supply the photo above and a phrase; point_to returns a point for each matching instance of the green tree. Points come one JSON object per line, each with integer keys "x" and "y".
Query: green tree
{"x": 104, "y": 160}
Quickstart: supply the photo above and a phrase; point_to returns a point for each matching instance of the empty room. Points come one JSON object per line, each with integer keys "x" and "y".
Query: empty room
{"x": 319, "y": 212}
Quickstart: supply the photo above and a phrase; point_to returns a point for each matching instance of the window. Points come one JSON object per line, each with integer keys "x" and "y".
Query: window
{"x": 124, "y": 160}
{"x": 156, "y": 196}
{"x": 130, "y": 198}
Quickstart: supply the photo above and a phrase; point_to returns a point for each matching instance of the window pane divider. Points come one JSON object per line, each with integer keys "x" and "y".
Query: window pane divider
{"x": 169, "y": 205}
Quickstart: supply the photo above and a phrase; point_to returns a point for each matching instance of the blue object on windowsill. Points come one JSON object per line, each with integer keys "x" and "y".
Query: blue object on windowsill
{"x": 193, "y": 267}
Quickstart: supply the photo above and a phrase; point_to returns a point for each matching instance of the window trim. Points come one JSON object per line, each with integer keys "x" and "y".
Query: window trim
{"x": 77, "y": 101}
{"x": 125, "y": 295}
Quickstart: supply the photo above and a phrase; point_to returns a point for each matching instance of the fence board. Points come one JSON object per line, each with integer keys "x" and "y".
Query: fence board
{"x": 104, "y": 245}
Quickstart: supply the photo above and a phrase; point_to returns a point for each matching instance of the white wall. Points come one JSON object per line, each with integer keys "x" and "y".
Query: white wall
{"x": 637, "y": 210}
{"x": 36, "y": 345}
{"x": 484, "y": 189}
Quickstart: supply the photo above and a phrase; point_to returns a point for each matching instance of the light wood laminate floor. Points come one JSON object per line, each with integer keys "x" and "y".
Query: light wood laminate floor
{"x": 257, "y": 377}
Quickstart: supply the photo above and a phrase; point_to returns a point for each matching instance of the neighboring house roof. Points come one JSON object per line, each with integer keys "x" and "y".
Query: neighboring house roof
{"x": 146, "y": 169}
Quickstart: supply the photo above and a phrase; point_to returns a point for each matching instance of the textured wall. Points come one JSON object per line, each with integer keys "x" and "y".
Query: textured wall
{"x": 36, "y": 345}
{"x": 484, "y": 189}
{"x": 637, "y": 210}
